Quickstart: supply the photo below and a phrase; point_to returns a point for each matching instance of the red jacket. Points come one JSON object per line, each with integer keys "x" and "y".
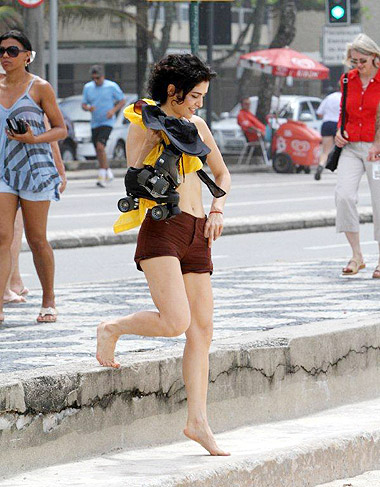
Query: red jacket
{"x": 361, "y": 107}
{"x": 247, "y": 120}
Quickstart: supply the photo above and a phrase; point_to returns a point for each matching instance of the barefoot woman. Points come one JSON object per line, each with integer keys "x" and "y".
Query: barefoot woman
{"x": 175, "y": 254}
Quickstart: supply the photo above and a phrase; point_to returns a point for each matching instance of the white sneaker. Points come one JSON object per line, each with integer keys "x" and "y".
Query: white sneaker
{"x": 101, "y": 182}
{"x": 109, "y": 176}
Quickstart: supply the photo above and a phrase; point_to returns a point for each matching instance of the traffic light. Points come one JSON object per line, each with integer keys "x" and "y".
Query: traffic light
{"x": 338, "y": 11}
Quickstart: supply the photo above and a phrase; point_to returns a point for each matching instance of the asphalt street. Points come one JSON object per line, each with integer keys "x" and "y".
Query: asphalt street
{"x": 84, "y": 205}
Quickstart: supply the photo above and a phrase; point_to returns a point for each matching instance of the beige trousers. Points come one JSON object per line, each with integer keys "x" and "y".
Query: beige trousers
{"x": 352, "y": 165}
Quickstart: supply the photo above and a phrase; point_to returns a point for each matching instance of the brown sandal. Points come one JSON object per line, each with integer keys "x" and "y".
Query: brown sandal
{"x": 376, "y": 272}
{"x": 353, "y": 267}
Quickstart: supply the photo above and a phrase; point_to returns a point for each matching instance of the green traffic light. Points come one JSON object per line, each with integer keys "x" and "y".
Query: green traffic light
{"x": 337, "y": 12}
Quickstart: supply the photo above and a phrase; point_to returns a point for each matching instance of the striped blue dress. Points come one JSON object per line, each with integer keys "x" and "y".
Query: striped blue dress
{"x": 27, "y": 167}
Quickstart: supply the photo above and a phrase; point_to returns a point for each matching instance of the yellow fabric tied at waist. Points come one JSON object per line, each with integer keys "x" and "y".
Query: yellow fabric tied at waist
{"x": 134, "y": 218}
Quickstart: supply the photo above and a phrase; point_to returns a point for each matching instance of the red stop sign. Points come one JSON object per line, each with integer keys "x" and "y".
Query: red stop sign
{"x": 30, "y": 3}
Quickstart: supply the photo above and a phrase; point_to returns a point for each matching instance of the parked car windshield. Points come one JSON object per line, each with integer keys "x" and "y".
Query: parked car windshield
{"x": 72, "y": 107}
{"x": 73, "y": 110}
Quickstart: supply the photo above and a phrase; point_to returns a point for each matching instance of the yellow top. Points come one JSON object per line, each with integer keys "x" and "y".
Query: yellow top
{"x": 134, "y": 218}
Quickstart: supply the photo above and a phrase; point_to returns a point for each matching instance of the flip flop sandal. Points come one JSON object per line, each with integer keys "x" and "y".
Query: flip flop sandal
{"x": 47, "y": 312}
{"x": 376, "y": 272}
{"x": 353, "y": 267}
{"x": 24, "y": 291}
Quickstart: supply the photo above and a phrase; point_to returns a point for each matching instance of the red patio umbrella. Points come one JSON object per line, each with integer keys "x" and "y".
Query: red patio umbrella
{"x": 284, "y": 62}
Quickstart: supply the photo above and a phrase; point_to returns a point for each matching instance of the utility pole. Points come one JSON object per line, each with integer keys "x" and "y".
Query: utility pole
{"x": 210, "y": 46}
{"x": 53, "y": 46}
{"x": 33, "y": 21}
{"x": 194, "y": 26}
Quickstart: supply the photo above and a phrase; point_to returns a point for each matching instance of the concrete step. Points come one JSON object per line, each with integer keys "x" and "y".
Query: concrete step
{"x": 62, "y": 414}
{"x": 303, "y": 452}
{"x": 368, "y": 479}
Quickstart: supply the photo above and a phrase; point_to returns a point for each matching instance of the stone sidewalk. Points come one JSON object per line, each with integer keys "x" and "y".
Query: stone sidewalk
{"x": 247, "y": 300}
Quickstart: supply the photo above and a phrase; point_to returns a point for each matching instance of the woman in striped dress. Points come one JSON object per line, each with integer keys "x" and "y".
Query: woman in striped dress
{"x": 28, "y": 175}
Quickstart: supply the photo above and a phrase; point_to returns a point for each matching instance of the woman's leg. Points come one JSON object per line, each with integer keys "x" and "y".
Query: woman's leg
{"x": 350, "y": 171}
{"x": 8, "y": 208}
{"x": 374, "y": 186}
{"x": 168, "y": 292}
{"x": 327, "y": 144}
{"x": 35, "y": 215}
{"x": 15, "y": 285}
{"x": 196, "y": 360}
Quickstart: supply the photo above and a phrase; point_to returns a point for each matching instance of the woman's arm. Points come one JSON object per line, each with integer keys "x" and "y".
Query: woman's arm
{"x": 43, "y": 94}
{"x": 139, "y": 143}
{"x": 57, "y": 159}
{"x": 214, "y": 224}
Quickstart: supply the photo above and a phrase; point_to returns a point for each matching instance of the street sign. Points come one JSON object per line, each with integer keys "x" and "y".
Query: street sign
{"x": 335, "y": 39}
{"x": 30, "y": 3}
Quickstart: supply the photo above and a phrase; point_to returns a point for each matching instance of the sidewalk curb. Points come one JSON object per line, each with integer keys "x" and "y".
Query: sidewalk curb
{"x": 55, "y": 415}
{"x": 233, "y": 226}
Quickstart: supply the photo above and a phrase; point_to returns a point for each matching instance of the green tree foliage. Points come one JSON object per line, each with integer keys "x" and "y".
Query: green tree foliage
{"x": 10, "y": 18}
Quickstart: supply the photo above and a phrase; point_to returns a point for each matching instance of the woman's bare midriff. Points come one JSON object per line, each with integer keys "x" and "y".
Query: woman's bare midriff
{"x": 190, "y": 193}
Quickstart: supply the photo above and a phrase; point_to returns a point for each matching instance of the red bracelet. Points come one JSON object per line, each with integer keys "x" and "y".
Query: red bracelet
{"x": 216, "y": 211}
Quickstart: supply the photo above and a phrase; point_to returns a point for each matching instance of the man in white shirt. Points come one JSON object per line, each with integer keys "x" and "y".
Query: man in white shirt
{"x": 329, "y": 111}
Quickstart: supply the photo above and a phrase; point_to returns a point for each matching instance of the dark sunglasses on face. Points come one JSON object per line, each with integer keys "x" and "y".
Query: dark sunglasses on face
{"x": 95, "y": 78}
{"x": 355, "y": 62}
{"x": 12, "y": 51}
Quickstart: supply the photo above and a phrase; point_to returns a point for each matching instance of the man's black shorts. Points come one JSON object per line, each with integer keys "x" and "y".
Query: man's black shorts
{"x": 101, "y": 134}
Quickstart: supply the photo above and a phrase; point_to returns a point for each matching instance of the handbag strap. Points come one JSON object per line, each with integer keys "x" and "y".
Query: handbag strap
{"x": 345, "y": 86}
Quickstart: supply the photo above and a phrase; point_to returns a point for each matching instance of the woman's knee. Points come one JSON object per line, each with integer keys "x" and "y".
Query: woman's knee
{"x": 201, "y": 332}
{"x": 38, "y": 244}
{"x": 344, "y": 198}
{"x": 6, "y": 240}
{"x": 176, "y": 323}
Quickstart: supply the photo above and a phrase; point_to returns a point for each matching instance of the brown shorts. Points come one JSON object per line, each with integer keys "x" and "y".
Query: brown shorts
{"x": 181, "y": 237}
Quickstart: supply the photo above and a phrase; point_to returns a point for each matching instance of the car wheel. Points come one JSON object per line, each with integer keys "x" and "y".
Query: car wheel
{"x": 67, "y": 153}
{"x": 119, "y": 151}
{"x": 282, "y": 163}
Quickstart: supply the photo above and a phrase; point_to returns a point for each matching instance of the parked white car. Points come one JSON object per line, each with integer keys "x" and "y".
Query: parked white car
{"x": 229, "y": 136}
{"x": 115, "y": 148}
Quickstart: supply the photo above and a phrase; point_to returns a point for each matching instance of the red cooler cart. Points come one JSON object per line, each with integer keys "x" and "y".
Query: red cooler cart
{"x": 295, "y": 146}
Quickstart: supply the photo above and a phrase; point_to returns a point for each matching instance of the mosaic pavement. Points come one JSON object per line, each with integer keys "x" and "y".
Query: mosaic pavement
{"x": 255, "y": 298}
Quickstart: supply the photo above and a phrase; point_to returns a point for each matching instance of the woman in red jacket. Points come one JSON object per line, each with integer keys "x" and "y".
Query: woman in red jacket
{"x": 363, "y": 98}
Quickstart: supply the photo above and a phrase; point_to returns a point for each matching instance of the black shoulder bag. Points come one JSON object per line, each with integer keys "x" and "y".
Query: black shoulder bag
{"x": 333, "y": 157}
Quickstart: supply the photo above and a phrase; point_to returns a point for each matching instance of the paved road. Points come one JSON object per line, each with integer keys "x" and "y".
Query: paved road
{"x": 85, "y": 206}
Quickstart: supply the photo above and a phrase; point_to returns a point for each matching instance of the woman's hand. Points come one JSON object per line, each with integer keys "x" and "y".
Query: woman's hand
{"x": 27, "y": 138}
{"x": 374, "y": 152}
{"x": 341, "y": 141}
{"x": 213, "y": 227}
{"x": 63, "y": 184}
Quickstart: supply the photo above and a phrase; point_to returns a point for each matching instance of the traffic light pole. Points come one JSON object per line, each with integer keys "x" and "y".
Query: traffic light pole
{"x": 210, "y": 46}
{"x": 53, "y": 46}
{"x": 194, "y": 27}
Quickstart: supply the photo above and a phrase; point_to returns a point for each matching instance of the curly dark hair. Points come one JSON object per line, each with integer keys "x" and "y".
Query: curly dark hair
{"x": 184, "y": 71}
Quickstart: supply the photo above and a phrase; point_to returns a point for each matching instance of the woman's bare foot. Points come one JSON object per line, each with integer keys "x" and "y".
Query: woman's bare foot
{"x": 106, "y": 343}
{"x": 12, "y": 297}
{"x": 202, "y": 434}
{"x": 1, "y": 318}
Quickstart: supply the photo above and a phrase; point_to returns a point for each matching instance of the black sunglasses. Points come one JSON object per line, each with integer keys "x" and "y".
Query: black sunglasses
{"x": 12, "y": 51}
